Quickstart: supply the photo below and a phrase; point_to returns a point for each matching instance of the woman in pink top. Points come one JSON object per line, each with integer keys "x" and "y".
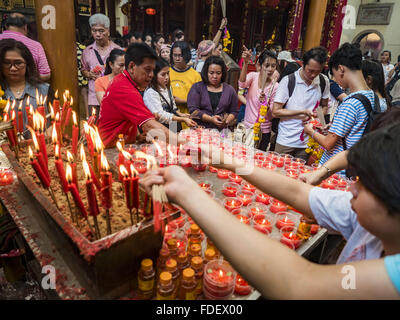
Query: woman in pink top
{"x": 262, "y": 87}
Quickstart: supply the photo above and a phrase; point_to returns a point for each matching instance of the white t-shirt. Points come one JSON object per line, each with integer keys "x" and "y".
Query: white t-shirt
{"x": 304, "y": 97}
{"x": 199, "y": 66}
{"x": 156, "y": 104}
{"x": 386, "y": 69}
{"x": 332, "y": 210}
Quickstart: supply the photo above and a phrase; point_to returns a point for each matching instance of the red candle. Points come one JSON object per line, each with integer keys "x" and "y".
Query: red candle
{"x": 305, "y": 169}
{"x": 246, "y": 197}
{"x": 330, "y": 184}
{"x": 39, "y": 172}
{"x": 43, "y": 148}
{"x": 285, "y": 222}
{"x": 230, "y": 189}
{"x": 75, "y": 134}
{"x": 60, "y": 169}
{"x": 262, "y": 224}
{"x": 186, "y": 161}
{"x": 278, "y": 161}
{"x": 75, "y": 193}
{"x": 56, "y": 103}
{"x": 243, "y": 219}
{"x": 219, "y": 280}
{"x": 314, "y": 229}
{"x": 223, "y": 174}
{"x": 10, "y": 133}
{"x": 20, "y": 119}
{"x": 235, "y": 178}
{"x": 73, "y": 168}
{"x": 256, "y": 211}
{"x": 212, "y": 169}
{"x": 249, "y": 187}
{"x": 290, "y": 239}
{"x": 242, "y": 288}
{"x": 65, "y": 107}
{"x": 92, "y": 118}
{"x": 67, "y": 117}
{"x": 106, "y": 179}
{"x": 58, "y": 126}
{"x": 232, "y": 203}
{"x": 292, "y": 174}
{"x": 262, "y": 198}
{"x": 205, "y": 186}
{"x": 134, "y": 187}
{"x": 126, "y": 181}
{"x": 278, "y": 206}
{"x": 91, "y": 194}
{"x": 6, "y": 177}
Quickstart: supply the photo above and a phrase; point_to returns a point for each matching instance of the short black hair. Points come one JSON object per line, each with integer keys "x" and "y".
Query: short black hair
{"x": 137, "y": 52}
{"x": 376, "y": 159}
{"x": 319, "y": 54}
{"x": 178, "y": 33}
{"x": 157, "y": 38}
{"x": 136, "y": 35}
{"x": 16, "y": 21}
{"x": 209, "y": 61}
{"x": 347, "y": 55}
{"x": 266, "y": 54}
{"x": 390, "y": 54}
{"x": 184, "y": 46}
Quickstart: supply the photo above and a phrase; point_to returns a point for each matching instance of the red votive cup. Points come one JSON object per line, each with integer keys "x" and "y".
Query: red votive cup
{"x": 290, "y": 238}
{"x": 230, "y": 189}
{"x": 233, "y": 177}
{"x": 287, "y": 220}
{"x": 219, "y": 280}
{"x": 246, "y": 197}
{"x": 243, "y": 219}
{"x": 263, "y": 223}
{"x": 242, "y": 288}
{"x": 256, "y": 209}
{"x": 263, "y": 198}
{"x": 232, "y": 204}
{"x": 223, "y": 174}
{"x": 248, "y": 187}
{"x": 277, "y": 206}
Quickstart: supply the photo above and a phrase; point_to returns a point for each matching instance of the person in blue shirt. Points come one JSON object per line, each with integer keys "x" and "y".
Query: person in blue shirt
{"x": 350, "y": 119}
{"x": 277, "y": 271}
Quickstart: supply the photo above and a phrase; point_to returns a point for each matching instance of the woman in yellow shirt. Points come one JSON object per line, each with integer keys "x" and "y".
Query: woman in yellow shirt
{"x": 182, "y": 76}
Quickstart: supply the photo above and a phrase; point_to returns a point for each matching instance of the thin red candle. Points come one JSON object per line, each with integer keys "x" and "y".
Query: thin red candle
{"x": 10, "y": 133}
{"x": 106, "y": 179}
{"x": 65, "y": 108}
{"x": 56, "y": 103}
{"x": 60, "y": 169}
{"x": 92, "y": 173}
{"x": 91, "y": 194}
{"x": 58, "y": 127}
{"x": 39, "y": 172}
{"x": 14, "y": 123}
{"x": 74, "y": 191}
{"x": 75, "y": 134}
{"x": 134, "y": 187}
{"x": 43, "y": 149}
{"x": 20, "y": 119}
{"x": 73, "y": 168}
{"x": 126, "y": 181}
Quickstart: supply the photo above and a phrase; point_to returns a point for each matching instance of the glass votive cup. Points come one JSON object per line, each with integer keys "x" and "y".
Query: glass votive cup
{"x": 240, "y": 211}
{"x": 219, "y": 280}
{"x": 263, "y": 223}
{"x": 256, "y": 208}
{"x": 199, "y": 167}
{"x": 315, "y": 166}
{"x": 233, "y": 177}
{"x": 270, "y": 166}
{"x": 242, "y": 288}
{"x": 306, "y": 169}
{"x": 232, "y": 204}
{"x": 223, "y": 174}
{"x": 290, "y": 238}
{"x": 299, "y": 162}
{"x": 249, "y": 187}
{"x": 211, "y": 193}
{"x": 262, "y": 198}
{"x": 294, "y": 174}
{"x": 277, "y": 206}
{"x": 278, "y": 161}
{"x": 230, "y": 189}
{"x": 287, "y": 158}
{"x": 212, "y": 169}
{"x": 329, "y": 183}
{"x": 243, "y": 219}
{"x": 247, "y": 197}
{"x": 140, "y": 165}
{"x": 204, "y": 184}
{"x": 287, "y": 220}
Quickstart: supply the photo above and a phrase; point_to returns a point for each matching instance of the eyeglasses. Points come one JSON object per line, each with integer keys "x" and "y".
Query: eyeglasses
{"x": 16, "y": 64}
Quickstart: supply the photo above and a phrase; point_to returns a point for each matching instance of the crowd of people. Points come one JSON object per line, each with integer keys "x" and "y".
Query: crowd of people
{"x": 151, "y": 84}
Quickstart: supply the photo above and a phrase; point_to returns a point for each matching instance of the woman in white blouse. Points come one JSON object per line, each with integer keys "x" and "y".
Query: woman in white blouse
{"x": 159, "y": 99}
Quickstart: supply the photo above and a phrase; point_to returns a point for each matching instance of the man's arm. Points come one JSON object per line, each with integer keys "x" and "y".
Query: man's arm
{"x": 218, "y": 35}
{"x": 153, "y": 129}
{"x": 273, "y": 269}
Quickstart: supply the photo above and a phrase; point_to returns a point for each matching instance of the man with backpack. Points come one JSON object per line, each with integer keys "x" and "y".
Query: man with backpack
{"x": 355, "y": 115}
{"x": 296, "y": 100}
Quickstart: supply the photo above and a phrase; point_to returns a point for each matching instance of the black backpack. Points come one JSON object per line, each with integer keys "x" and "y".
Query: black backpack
{"x": 291, "y": 86}
{"x": 371, "y": 112}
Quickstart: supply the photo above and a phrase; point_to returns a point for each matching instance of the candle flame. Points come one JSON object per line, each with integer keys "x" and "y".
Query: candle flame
{"x": 126, "y": 155}
{"x": 171, "y": 154}
{"x": 104, "y": 163}
{"x": 13, "y": 115}
{"x": 7, "y": 108}
{"x": 51, "y": 111}
{"x": 31, "y": 110}
{"x": 5, "y": 117}
{"x": 40, "y": 121}
{"x": 56, "y": 94}
{"x": 13, "y": 105}
{"x": 30, "y": 153}
{"x": 159, "y": 150}
{"x": 291, "y": 235}
{"x": 57, "y": 151}
{"x": 28, "y": 100}
{"x": 68, "y": 174}
{"x": 37, "y": 97}
{"x": 86, "y": 170}
{"x": 123, "y": 171}
{"x": 286, "y": 219}
{"x": 74, "y": 118}
{"x": 86, "y": 127}
{"x": 20, "y": 106}
{"x": 57, "y": 116}
{"x": 72, "y": 101}
{"x": 44, "y": 101}
{"x": 94, "y": 112}
{"x": 54, "y": 137}
{"x": 70, "y": 157}
{"x": 119, "y": 145}
{"x": 134, "y": 172}
{"x": 34, "y": 138}
{"x": 82, "y": 153}
{"x": 221, "y": 273}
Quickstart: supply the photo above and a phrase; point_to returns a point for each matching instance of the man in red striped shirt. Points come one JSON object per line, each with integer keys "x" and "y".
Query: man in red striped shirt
{"x": 17, "y": 29}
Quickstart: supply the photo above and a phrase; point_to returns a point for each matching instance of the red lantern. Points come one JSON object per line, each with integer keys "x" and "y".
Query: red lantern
{"x": 151, "y": 11}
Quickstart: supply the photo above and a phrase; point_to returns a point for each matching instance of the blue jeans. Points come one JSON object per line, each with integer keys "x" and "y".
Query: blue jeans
{"x": 240, "y": 115}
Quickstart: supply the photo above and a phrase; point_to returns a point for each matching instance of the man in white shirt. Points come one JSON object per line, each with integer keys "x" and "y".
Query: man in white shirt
{"x": 296, "y": 100}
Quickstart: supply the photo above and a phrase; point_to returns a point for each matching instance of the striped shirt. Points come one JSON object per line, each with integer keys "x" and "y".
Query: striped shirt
{"x": 34, "y": 47}
{"x": 349, "y": 123}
